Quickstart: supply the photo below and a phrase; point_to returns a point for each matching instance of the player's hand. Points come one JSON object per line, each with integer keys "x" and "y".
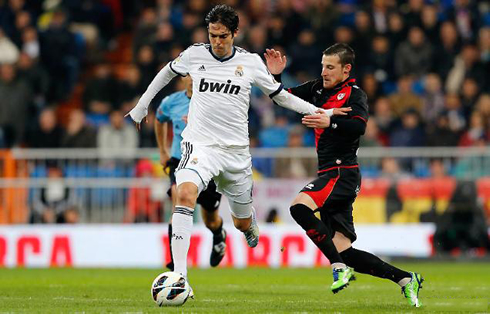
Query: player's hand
{"x": 138, "y": 113}
{"x": 164, "y": 158}
{"x": 276, "y": 63}
{"x": 317, "y": 121}
{"x": 341, "y": 111}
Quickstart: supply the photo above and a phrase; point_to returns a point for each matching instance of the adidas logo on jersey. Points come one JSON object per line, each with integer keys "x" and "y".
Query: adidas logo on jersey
{"x": 216, "y": 87}
{"x": 202, "y": 68}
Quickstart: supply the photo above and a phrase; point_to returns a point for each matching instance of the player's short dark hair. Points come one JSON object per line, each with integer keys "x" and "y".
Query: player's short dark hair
{"x": 225, "y": 15}
{"x": 344, "y": 51}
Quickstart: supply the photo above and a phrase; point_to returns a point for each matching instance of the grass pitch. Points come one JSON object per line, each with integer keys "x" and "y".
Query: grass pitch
{"x": 448, "y": 287}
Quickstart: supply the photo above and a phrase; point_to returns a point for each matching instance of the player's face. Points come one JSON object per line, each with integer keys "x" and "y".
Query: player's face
{"x": 221, "y": 39}
{"x": 333, "y": 72}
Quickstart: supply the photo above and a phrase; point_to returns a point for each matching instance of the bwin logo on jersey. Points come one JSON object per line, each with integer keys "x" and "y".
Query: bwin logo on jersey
{"x": 216, "y": 87}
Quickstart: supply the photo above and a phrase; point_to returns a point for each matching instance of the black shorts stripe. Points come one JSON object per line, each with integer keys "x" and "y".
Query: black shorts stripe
{"x": 186, "y": 155}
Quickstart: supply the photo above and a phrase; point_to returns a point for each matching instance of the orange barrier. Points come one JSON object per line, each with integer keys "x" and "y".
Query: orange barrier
{"x": 13, "y": 201}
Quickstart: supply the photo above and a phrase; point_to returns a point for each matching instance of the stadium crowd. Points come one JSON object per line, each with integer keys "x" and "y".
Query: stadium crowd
{"x": 71, "y": 69}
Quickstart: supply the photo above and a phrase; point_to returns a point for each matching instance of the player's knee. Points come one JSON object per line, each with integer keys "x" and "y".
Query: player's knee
{"x": 298, "y": 211}
{"x": 187, "y": 195}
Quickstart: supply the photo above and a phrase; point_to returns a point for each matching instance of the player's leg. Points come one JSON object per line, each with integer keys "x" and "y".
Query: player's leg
{"x": 303, "y": 212}
{"x": 236, "y": 183}
{"x": 209, "y": 200}
{"x": 367, "y": 263}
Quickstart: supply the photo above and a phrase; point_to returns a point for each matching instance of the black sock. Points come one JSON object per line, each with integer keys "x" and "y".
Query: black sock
{"x": 367, "y": 263}
{"x": 317, "y": 231}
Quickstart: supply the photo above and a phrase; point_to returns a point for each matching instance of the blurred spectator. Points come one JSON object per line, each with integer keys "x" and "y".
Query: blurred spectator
{"x": 469, "y": 95}
{"x": 475, "y": 132}
{"x": 410, "y": 133}
{"x": 141, "y": 206}
{"x": 396, "y": 30}
{"x": 430, "y": 23}
{"x": 390, "y": 169}
{"x": 118, "y": 136}
{"x": 383, "y": 116}
{"x": 15, "y": 97}
{"x": 130, "y": 87}
{"x": 381, "y": 60}
{"x": 54, "y": 203}
{"x": 466, "y": 17}
{"x": 462, "y": 227}
{"x": 276, "y": 135}
{"x": 146, "y": 28}
{"x": 455, "y": 113}
{"x": 257, "y": 39}
{"x": 36, "y": 77}
{"x": 47, "y": 133}
{"x": 412, "y": 12}
{"x": 147, "y": 132}
{"x": 60, "y": 54}
{"x": 9, "y": 53}
{"x": 372, "y": 137}
{"x": 273, "y": 216}
{"x": 147, "y": 64}
{"x": 322, "y": 15}
{"x": 100, "y": 94}
{"x": 295, "y": 167}
{"x": 364, "y": 34}
{"x": 306, "y": 54}
{"x": 440, "y": 134}
{"x": 372, "y": 89}
{"x": 413, "y": 57}
{"x": 467, "y": 64}
{"x": 446, "y": 50}
{"x": 163, "y": 41}
{"x": 433, "y": 98}
{"x": 78, "y": 133}
{"x": 404, "y": 99}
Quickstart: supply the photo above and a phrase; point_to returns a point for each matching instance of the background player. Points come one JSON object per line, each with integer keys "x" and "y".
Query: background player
{"x": 332, "y": 194}
{"x": 174, "y": 109}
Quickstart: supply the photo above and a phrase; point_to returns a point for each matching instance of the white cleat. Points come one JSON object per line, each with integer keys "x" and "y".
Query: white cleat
{"x": 252, "y": 234}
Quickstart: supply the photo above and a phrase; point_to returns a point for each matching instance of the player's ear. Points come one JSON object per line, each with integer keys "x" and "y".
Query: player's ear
{"x": 347, "y": 68}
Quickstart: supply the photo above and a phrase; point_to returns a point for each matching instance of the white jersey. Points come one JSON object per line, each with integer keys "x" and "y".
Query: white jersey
{"x": 218, "y": 111}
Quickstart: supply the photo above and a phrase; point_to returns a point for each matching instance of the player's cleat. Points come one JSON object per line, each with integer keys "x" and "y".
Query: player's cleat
{"x": 219, "y": 248}
{"x": 252, "y": 234}
{"x": 341, "y": 278}
{"x": 411, "y": 289}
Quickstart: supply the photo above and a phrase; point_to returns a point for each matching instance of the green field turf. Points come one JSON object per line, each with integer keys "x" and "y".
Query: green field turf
{"x": 449, "y": 286}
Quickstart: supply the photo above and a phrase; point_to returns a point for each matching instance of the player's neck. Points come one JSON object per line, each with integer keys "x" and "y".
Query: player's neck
{"x": 225, "y": 56}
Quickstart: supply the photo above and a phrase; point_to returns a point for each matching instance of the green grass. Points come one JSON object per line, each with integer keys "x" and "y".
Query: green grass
{"x": 256, "y": 290}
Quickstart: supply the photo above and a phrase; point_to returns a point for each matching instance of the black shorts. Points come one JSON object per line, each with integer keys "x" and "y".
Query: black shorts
{"x": 334, "y": 192}
{"x": 209, "y": 199}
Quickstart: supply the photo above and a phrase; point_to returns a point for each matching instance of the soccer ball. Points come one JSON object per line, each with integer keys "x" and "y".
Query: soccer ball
{"x": 170, "y": 289}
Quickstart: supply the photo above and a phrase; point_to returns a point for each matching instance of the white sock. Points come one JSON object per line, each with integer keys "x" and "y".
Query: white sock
{"x": 339, "y": 266}
{"x": 181, "y": 237}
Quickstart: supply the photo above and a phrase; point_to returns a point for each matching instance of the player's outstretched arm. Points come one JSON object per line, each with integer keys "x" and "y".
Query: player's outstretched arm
{"x": 160, "y": 81}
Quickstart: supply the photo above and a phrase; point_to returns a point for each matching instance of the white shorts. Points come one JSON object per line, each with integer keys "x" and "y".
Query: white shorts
{"x": 230, "y": 170}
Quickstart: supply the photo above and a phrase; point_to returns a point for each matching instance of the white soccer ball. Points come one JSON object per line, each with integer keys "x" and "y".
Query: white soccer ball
{"x": 170, "y": 289}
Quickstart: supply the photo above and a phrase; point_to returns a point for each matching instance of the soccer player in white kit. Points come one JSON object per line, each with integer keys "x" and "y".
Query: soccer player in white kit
{"x": 215, "y": 142}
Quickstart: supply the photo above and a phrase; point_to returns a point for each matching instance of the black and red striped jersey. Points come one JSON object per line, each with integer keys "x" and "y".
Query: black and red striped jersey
{"x": 337, "y": 145}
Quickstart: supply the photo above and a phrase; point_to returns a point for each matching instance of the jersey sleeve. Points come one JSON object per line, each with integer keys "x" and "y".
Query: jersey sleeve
{"x": 161, "y": 115}
{"x": 358, "y": 103}
{"x": 264, "y": 80}
{"x": 181, "y": 64}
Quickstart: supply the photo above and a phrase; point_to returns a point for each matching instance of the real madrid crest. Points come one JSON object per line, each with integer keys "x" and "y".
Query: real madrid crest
{"x": 340, "y": 96}
{"x": 239, "y": 71}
